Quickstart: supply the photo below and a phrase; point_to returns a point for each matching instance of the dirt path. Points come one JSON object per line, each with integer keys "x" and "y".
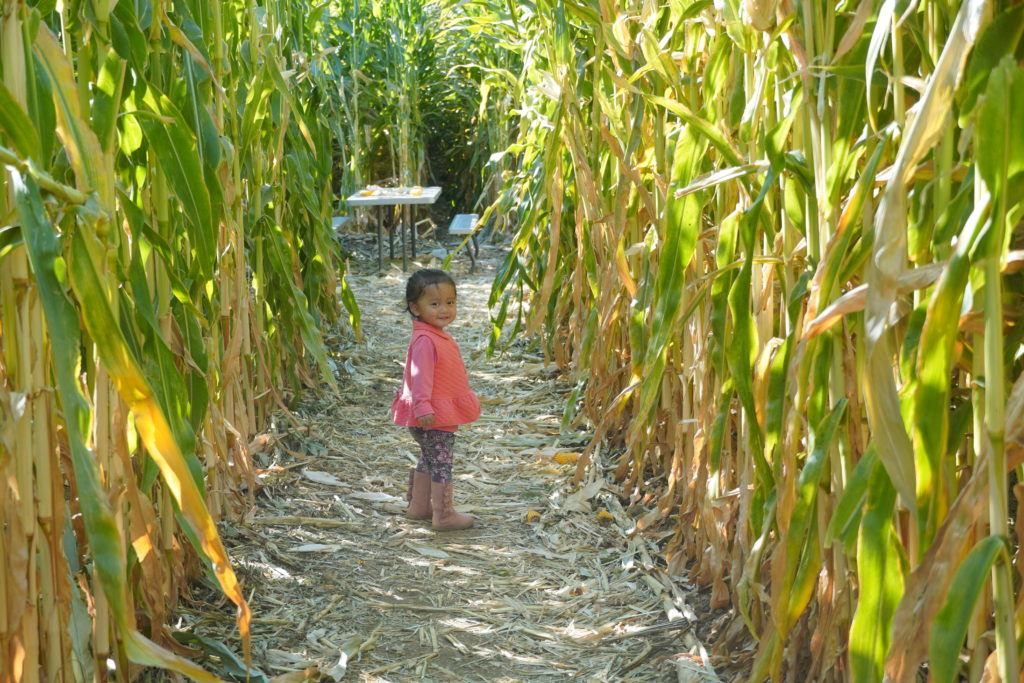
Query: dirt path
{"x": 548, "y": 586}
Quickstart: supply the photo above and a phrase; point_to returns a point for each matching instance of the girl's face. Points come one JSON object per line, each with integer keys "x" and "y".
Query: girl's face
{"x": 436, "y": 306}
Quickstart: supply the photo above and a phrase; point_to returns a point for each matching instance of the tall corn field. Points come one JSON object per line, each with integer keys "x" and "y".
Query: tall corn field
{"x": 779, "y": 243}
{"x": 416, "y": 102}
{"x": 166, "y": 271}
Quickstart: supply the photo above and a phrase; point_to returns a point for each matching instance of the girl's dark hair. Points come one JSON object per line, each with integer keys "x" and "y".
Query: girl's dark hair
{"x": 422, "y": 279}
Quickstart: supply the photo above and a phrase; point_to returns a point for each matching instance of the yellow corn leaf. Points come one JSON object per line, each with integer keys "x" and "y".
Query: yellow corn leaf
{"x": 150, "y": 421}
{"x": 566, "y": 458}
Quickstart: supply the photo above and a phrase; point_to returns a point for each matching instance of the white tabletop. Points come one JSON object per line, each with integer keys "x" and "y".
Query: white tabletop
{"x": 394, "y": 195}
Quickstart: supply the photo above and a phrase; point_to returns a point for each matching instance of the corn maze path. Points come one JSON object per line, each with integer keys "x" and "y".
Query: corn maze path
{"x": 551, "y": 584}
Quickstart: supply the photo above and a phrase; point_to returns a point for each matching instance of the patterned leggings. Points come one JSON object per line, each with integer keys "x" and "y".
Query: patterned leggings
{"x": 438, "y": 451}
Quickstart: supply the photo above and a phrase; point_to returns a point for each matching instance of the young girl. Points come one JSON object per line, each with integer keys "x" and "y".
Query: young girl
{"x": 435, "y": 398}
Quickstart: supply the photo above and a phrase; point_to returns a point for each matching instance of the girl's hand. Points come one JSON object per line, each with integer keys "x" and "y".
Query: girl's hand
{"x": 426, "y": 420}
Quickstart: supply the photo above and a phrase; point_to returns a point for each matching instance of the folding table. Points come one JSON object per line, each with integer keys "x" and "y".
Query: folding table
{"x": 394, "y": 196}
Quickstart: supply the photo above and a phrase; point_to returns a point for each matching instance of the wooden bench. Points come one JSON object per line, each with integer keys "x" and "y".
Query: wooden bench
{"x": 464, "y": 224}
{"x": 338, "y": 222}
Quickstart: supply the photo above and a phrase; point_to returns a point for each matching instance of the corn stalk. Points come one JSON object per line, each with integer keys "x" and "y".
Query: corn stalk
{"x": 164, "y": 271}
{"x": 776, "y": 242}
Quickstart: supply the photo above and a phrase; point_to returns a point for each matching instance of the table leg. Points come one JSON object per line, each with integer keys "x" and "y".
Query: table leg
{"x": 391, "y": 238}
{"x": 402, "y": 226}
{"x": 380, "y": 241}
{"x": 412, "y": 229}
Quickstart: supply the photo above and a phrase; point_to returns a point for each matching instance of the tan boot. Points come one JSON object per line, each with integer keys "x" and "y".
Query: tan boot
{"x": 418, "y": 495}
{"x": 445, "y": 518}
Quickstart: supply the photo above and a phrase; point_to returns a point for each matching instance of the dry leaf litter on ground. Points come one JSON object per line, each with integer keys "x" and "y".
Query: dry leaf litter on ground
{"x": 551, "y": 584}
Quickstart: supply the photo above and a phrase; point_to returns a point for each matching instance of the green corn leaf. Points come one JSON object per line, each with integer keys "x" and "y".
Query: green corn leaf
{"x": 286, "y": 91}
{"x": 175, "y": 148}
{"x": 775, "y": 401}
{"x": 711, "y": 180}
{"x": 17, "y": 125}
{"x": 348, "y": 299}
{"x": 879, "y": 37}
{"x": 717, "y": 437}
{"x": 1001, "y": 37}
{"x": 707, "y": 128}
{"x": 10, "y": 237}
{"x": 1000, "y": 146}
{"x": 137, "y": 43}
{"x": 681, "y": 227}
{"x": 168, "y": 385}
{"x": 721, "y": 286}
{"x": 851, "y": 501}
{"x": 257, "y": 97}
{"x": 277, "y": 252}
{"x": 1000, "y": 112}
{"x": 847, "y": 231}
{"x": 739, "y": 353}
{"x": 229, "y": 662}
{"x": 810, "y": 474}
{"x": 807, "y": 565}
{"x": 880, "y": 580}
{"x": 890, "y": 436}
{"x": 194, "y": 338}
{"x": 584, "y": 12}
{"x": 80, "y": 142}
{"x": 192, "y": 104}
{"x": 931, "y": 395}
{"x": 107, "y": 99}
{"x": 161, "y": 249}
{"x": 498, "y": 323}
{"x": 950, "y": 627}
{"x": 42, "y": 112}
